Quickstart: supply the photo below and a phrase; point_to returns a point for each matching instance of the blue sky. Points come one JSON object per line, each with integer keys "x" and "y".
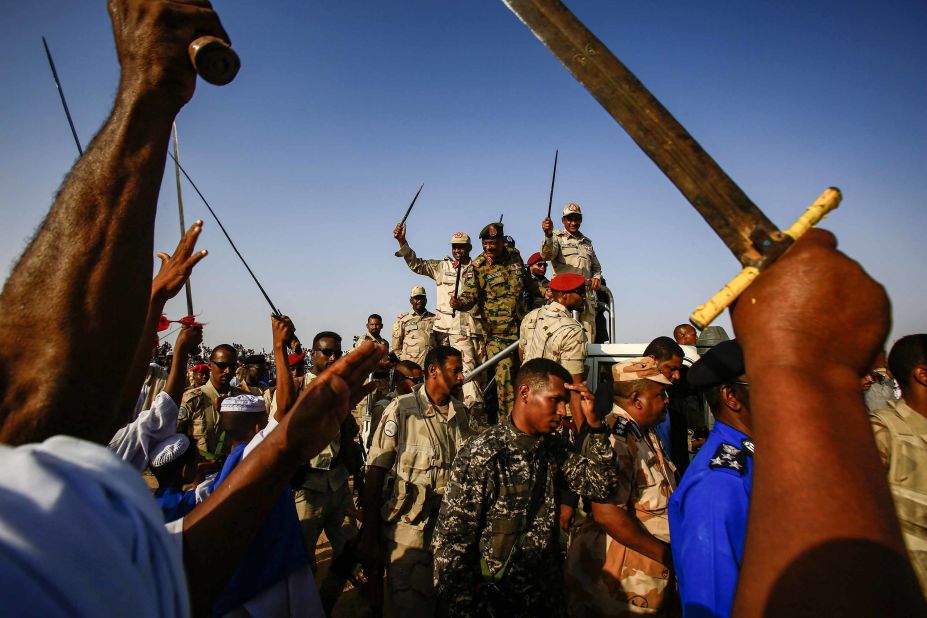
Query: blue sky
{"x": 340, "y": 110}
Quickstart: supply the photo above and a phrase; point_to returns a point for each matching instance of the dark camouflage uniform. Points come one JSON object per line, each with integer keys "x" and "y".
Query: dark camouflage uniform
{"x": 485, "y": 509}
{"x": 497, "y": 288}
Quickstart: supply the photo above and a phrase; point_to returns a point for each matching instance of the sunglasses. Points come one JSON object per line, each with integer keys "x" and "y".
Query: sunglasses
{"x": 224, "y": 366}
{"x": 329, "y": 352}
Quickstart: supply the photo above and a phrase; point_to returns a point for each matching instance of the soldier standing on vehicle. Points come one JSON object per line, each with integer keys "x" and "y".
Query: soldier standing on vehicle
{"x": 412, "y": 331}
{"x": 569, "y": 251}
{"x": 495, "y": 287}
{"x": 496, "y": 549}
{"x": 552, "y": 332}
{"x": 537, "y": 268}
{"x": 415, "y": 444}
{"x": 459, "y": 329}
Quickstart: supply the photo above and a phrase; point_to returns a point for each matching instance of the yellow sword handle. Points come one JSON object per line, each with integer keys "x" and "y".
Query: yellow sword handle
{"x": 706, "y": 314}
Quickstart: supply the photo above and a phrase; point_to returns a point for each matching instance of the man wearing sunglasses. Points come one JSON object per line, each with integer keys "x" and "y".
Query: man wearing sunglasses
{"x": 198, "y": 414}
{"x": 323, "y": 498}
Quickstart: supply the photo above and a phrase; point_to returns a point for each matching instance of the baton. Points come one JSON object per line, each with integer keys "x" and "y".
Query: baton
{"x": 403, "y": 222}
{"x": 553, "y": 179}
{"x": 214, "y": 60}
{"x": 456, "y": 287}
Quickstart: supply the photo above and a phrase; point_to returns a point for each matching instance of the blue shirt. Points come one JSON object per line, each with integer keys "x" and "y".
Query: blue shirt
{"x": 708, "y": 522}
{"x": 278, "y": 549}
{"x": 174, "y": 503}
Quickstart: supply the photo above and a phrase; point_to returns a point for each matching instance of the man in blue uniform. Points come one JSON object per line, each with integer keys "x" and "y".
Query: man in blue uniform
{"x": 708, "y": 510}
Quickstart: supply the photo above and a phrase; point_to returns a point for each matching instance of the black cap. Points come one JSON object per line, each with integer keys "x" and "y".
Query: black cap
{"x": 254, "y": 359}
{"x": 722, "y": 364}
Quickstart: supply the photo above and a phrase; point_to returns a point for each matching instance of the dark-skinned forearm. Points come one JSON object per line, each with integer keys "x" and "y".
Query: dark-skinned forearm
{"x": 816, "y": 441}
{"x": 218, "y": 532}
{"x": 629, "y": 531}
{"x": 285, "y": 392}
{"x": 99, "y": 236}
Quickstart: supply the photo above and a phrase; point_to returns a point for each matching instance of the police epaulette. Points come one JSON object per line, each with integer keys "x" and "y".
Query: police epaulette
{"x": 623, "y": 425}
{"x": 728, "y": 456}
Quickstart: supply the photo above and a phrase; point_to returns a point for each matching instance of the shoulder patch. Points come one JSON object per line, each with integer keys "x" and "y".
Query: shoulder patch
{"x": 748, "y": 446}
{"x": 624, "y": 426}
{"x": 390, "y": 428}
{"x": 728, "y": 457}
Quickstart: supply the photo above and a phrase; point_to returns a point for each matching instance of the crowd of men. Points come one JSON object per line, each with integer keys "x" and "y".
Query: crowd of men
{"x": 794, "y": 500}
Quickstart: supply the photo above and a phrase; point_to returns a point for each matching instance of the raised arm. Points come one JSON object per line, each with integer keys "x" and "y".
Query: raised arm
{"x": 822, "y": 537}
{"x": 217, "y": 533}
{"x": 174, "y": 272}
{"x": 285, "y": 393}
{"x": 81, "y": 288}
{"x": 189, "y": 339}
{"x": 428, "y": 268}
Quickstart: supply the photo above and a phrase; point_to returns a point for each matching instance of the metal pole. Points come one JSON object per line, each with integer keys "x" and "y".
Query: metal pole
{"x": 183, "y": 225}
{"x": 67, "y": 112}
{"x": 491, "y": 362}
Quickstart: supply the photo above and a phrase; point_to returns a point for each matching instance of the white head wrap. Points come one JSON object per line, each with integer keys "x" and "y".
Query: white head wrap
{"x": 243, "y": 403}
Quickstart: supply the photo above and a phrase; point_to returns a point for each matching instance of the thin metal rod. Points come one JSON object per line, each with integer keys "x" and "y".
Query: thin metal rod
{"x": 183, "y": 225}
{"x": 229, "y": 238}
{"x": 421, "y": 186}
{"x": 491, "y": 362}
{"x": 67, "y": 112}
{"x": 553, "y": 179}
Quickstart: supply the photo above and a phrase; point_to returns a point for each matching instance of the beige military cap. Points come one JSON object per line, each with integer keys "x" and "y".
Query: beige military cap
{"x": 572, "y": 209}
{"x": 644, "y": 368}
{"x": 417, "y": 291}
{"x": 460, "y": 238}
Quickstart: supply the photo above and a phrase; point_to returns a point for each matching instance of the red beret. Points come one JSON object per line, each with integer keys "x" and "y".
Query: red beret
{"x": 534, "y": 259}
{"x": 201, "y": 368}
{"x": 295, "y": 359}
{"x": 567, "y": 282}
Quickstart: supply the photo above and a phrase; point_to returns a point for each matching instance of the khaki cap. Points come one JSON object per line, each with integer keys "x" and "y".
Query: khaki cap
{"x": 572, "y": 209}
{"x": 417, "y": 291}
{"x": 460, "y": 238}
{"x": 644, "y": 368}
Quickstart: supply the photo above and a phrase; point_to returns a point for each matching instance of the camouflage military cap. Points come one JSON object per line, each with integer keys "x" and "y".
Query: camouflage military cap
{"x": 460, "y": 238}
{"x": 417, "y": 291}
{"x": 720, "y": 365}
{"x": 493, "y": 230}
{"x": 572, "y": 209}
{"x": 644, "y": 368}
{"x": 567, "y": 282}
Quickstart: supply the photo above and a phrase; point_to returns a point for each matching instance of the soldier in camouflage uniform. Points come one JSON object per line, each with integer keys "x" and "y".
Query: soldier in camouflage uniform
{"x": 569, "y": 251}
{"x": 459, "y": 329}
{"x": 495, "y": 287}
{"x": 197, "y": 414}
{"x": 495, "y": 542}
{"x": 412, "y": 336}
{"x": 605, "y": 576}
{"x": 537, "y": 268}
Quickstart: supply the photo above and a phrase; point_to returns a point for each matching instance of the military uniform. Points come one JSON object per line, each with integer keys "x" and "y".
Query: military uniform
{"x": 574, "y": 254}
{"x": 322, "y": 502}
{"x": 708, "y": 522}
{"x": 462, "y": 330}
{"x": 412, "y": 335}
{"x": 418, "y": 444}
{"x": 604, "y": 576}
{"x": 197, "y": 409}
{"x": 901, "y": 438}
{"x": 551, "y": 332}
{"x": 498, "y": 522}
{"x": 495, "y": 288}
{"x": 380, "y": 378}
